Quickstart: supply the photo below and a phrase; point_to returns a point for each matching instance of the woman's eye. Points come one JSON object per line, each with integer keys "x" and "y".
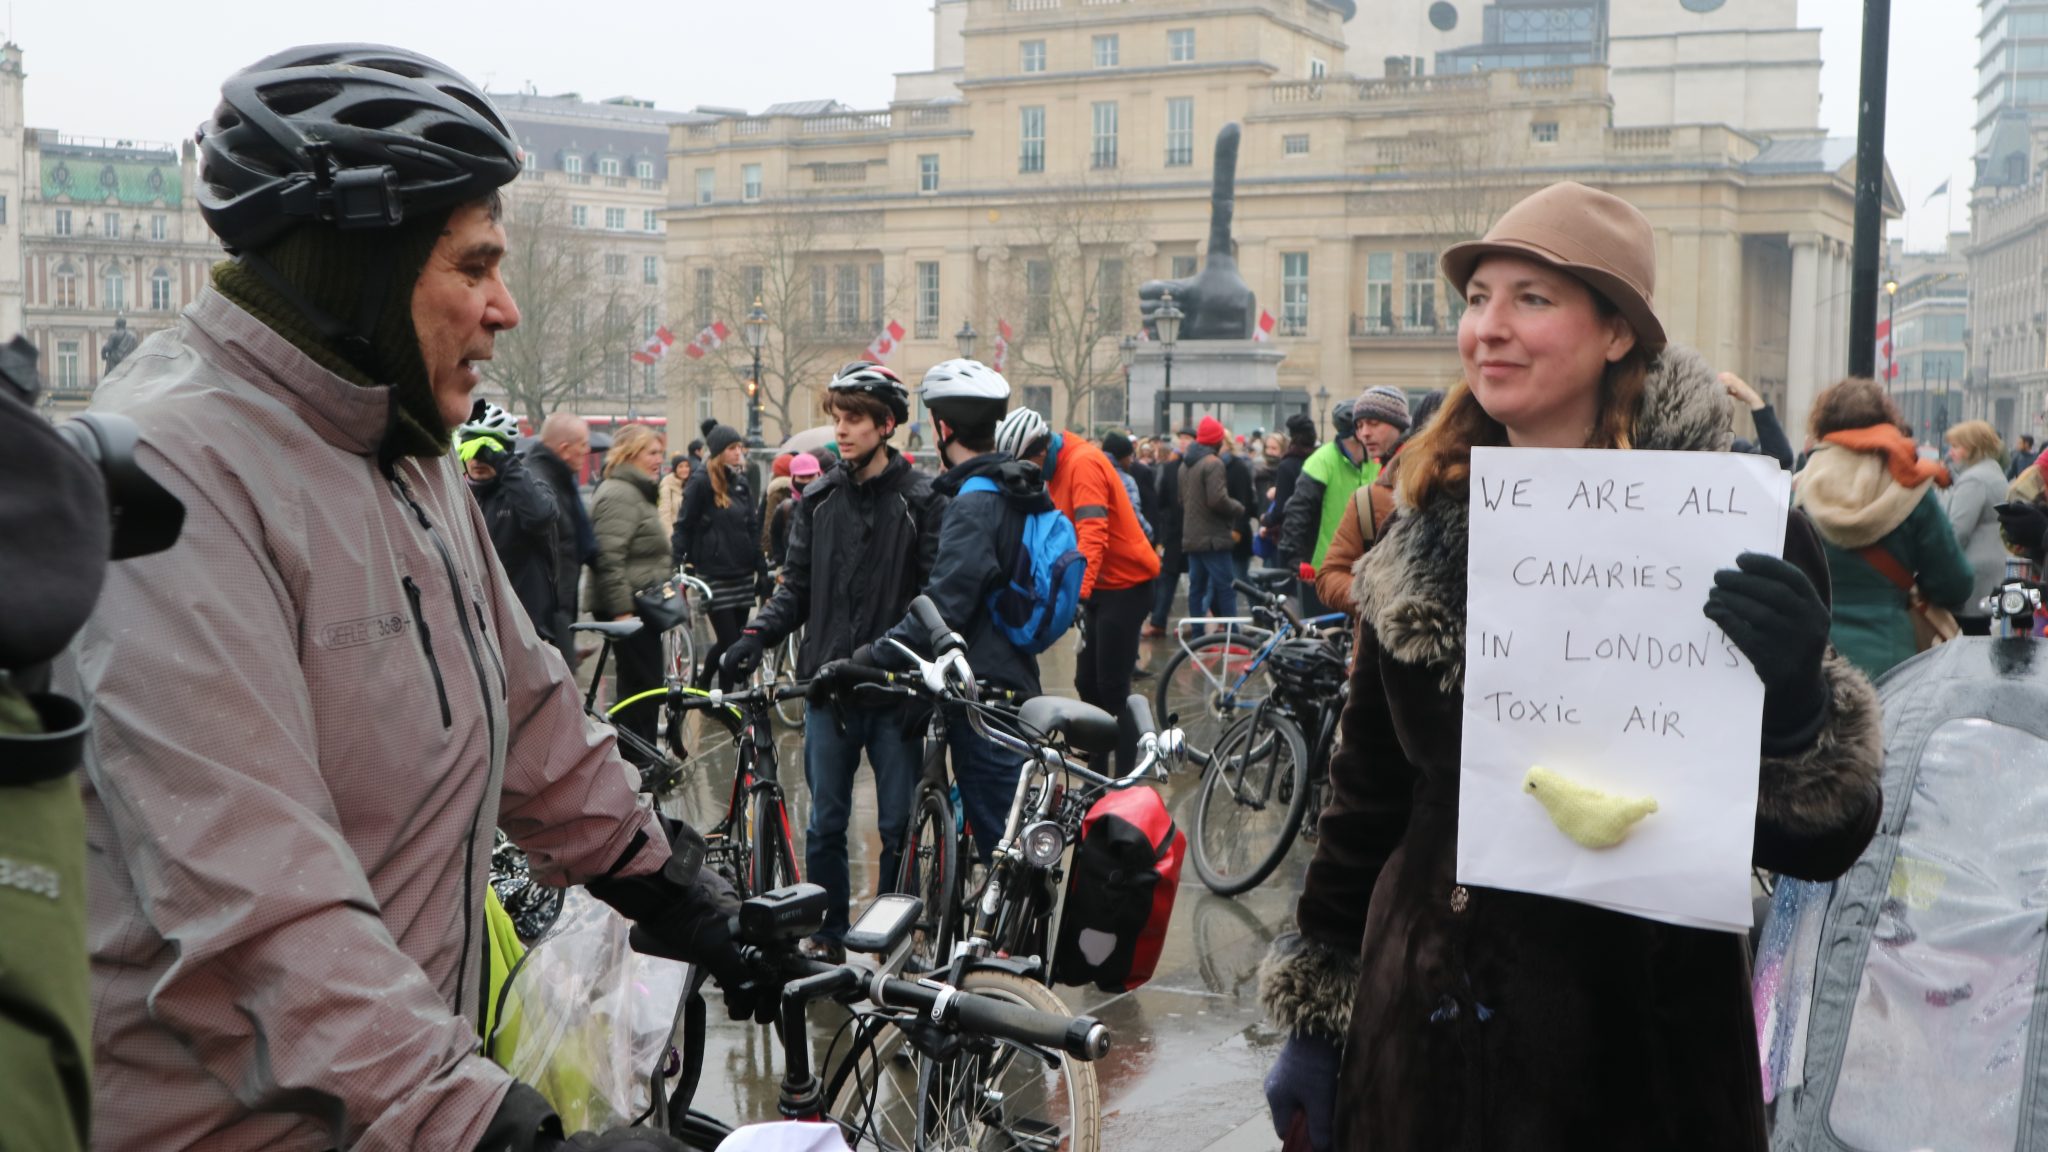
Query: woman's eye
{"x": 1475, "y": 300}
{"x": 1533, "y": 299}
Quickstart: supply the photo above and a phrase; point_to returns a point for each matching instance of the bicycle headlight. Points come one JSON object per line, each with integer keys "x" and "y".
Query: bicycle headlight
{"x": 2014, "y": 602}
{"x": 1044, "y": 843}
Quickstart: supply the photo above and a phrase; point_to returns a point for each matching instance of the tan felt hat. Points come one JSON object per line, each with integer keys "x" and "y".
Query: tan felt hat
{"x": 1596, "y": 236}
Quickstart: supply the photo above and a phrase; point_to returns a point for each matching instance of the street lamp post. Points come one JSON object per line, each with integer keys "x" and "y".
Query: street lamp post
{"x": 1322, "y": 405}
{"x": 1891, "y": 337}
{"x": 1167, "y": 321}
{"x": 1127, "y": 354}
{"x": 966, "y": 338}
{"x": 756, "y": 325}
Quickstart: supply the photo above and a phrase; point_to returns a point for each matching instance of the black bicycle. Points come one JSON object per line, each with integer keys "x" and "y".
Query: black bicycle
{"x": 751, "y": 844}
{"x": 1266, "y": 782}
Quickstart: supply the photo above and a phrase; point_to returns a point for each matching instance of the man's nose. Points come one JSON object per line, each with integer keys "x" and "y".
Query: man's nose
{"x": 501, "y": 311}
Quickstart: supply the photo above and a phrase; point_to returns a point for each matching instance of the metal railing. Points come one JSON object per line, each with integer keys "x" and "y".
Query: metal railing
{"x": 1383, "y": 326}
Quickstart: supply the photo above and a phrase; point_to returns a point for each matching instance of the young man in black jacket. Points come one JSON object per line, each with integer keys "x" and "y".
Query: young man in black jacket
{"x": 862, "y": 546}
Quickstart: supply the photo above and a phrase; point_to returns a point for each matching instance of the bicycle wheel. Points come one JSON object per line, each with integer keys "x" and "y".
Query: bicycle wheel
{"x": 993, "y": 1097}
{"x": 1210, "y": 683}
{"x": 931, "y": 872}
{"x": 678, "y": 654}
{"x": 1253, "y": 795}
{"x": 790, "y": 711}
{"x": 771, "y": 861}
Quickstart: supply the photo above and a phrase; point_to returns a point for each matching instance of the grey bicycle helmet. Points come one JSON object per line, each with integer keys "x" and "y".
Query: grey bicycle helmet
{"x": 1019, "y": 431}
{"x": 487, "y": 419}
{"x": 877, "y": 381}
{"x": 965, "y": 393}
{"x": 1342, "y": 419}
{"x": 358, "y": 136}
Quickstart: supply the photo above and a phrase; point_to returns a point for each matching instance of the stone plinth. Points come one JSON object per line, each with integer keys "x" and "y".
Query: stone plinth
{"x": 1227, "y": 377}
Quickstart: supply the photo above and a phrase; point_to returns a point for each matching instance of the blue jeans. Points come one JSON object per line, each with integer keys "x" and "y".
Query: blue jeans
{"x": 1209, "y": 590}
{"x": 987, "y": 776}
{"x": 831, "y": 758}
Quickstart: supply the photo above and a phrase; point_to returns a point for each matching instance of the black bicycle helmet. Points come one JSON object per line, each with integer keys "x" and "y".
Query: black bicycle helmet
{"x": 877, "y": 381}
{"x": 352, "y": 135}
{"x": 1341, "y": 418}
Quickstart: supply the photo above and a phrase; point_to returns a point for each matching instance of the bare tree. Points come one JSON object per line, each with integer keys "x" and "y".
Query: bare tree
{"x": 580, "y": 311}
{"x": 1070, "y": 285}
{"x": 818, "y": 287}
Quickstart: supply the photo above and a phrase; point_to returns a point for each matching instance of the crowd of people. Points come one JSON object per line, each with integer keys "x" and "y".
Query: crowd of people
{"x": 359, "y": 659}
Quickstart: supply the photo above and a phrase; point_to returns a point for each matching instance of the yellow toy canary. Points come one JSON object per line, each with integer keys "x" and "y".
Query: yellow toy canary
{"x": 1592, "y": 818}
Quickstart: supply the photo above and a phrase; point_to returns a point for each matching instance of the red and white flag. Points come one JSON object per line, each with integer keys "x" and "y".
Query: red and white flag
{"x": 891, "y": 336}
{"x": 1888, "y": 369}
{"x": 711, "y": 337}
{"x": 1003, "y": 336}
{"x": 1263, "y": 330}
{"x": 656, "y": 347}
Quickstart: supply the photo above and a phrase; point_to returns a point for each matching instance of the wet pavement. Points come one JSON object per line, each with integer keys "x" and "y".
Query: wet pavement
{"x": 1190, "y": 1047}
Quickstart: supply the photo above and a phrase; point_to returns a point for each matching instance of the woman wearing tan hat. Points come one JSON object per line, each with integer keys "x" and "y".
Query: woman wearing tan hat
{"x": 1425, "y": 1015}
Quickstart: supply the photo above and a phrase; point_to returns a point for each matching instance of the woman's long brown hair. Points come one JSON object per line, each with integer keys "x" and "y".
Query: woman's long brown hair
{"x": 715, "y": 469}
{"x": 1438, "y": 463}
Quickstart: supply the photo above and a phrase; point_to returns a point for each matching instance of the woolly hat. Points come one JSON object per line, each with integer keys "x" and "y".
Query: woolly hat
{"x": 1117, "y": 445}
{"x": 1209, "y": 431}
{"x": 1384, "y": 403}
{"x": 803, "y": 464}
{"x": 780, "y": 467}
{"x": 719, "y": 439}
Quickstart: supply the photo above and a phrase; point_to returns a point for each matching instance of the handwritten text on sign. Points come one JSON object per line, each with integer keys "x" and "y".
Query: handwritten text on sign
{"x": 1587, "y": 655}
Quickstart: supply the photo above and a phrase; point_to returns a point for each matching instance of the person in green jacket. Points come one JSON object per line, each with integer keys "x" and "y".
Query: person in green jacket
{"x": 1367, "y": 429}
{"x": 1872, "y": 497}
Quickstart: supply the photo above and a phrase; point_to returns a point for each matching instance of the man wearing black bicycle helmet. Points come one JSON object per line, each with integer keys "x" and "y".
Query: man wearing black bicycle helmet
{"x": 312, "y": 714}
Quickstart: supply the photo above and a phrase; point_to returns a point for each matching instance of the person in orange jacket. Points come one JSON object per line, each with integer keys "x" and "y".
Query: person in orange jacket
{"x": 1116, "y": 591}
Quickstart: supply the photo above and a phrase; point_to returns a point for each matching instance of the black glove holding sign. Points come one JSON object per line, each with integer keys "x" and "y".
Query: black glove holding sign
{"x": 1773, "y": 613}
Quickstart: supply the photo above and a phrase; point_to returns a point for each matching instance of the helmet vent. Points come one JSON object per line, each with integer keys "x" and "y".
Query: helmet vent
{"x": 375, "y": 114}
{"x": 292, "y": 98}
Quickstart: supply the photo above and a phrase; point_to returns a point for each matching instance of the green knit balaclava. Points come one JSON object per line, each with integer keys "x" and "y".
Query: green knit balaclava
{"x": 331, "y": 269}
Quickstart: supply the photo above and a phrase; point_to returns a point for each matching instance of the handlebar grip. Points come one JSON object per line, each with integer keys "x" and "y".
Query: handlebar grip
{"x": 1082, "y": 1037}
{"x": 935, "y": 626}
{"x": 1139, "y": 710}
{"x": 1258, "y": 595}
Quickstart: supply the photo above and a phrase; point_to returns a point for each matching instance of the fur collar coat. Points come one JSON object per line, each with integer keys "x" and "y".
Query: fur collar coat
{"x": 1487, "y": 1019}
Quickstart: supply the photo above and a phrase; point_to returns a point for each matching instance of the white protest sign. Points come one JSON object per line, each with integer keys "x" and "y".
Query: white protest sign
{"x": 1587, "y": 656}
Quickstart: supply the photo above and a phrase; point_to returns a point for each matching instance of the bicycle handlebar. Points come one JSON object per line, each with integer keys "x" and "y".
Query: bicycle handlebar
{"x": 1273, "y": 600}
{"x": 742, "y": 698}
{"x": 939, "y": 634}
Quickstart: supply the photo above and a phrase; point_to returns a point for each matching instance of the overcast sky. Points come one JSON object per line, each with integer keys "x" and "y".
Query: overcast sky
{"x": 151, "y": 70}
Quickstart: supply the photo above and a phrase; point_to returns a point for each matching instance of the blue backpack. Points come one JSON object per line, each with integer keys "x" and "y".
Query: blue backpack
{"x": 1036, "y": 605}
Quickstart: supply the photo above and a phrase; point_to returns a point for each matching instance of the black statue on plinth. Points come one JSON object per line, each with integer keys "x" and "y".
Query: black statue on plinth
{"x": 120, "y": 342}
{"x": 1216, "y": 301}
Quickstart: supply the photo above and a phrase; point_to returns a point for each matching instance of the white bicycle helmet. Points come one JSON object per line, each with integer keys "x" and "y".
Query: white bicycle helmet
{"x": 876, "y": 381}
{"x": 1019, "y": 431}
{"x": 965, "y": 393}
{"x": 487, "y": 419}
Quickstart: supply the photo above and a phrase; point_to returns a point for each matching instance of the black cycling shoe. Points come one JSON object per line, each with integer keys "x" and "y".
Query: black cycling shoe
{"x": 823, "y": 948}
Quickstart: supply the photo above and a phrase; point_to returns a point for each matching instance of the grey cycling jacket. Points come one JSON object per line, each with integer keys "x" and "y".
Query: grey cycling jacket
{"x": 309, "y": 715}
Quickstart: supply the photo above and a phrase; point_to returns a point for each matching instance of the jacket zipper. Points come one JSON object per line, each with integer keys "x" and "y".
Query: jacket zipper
{"x": 419, "y": 621}
{"x": 497, "y": 661}
{"x": 490, "y": 739}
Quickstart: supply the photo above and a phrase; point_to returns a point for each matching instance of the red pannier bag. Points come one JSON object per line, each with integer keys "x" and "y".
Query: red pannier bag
{"x": 1120, "y": 892}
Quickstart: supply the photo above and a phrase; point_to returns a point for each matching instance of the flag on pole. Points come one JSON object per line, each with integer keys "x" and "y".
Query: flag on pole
{"x": 1002, "y": 345}
{"x": 885, "y": 343}
{"x": 1890, "y": 371}
{"x": 1263, "y": 331}
{"x": 1940, "y": 189}
{"x": 713, "y": 336}
{"x": 655, "y": 348}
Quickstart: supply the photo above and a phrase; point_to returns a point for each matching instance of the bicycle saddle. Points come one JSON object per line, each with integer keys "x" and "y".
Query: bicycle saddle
{"x": 1085, "y": 727}
{"x": 1273, "y": 579}
{"x": 616, "y": 629}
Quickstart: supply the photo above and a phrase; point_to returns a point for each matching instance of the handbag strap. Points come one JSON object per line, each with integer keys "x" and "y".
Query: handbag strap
{"x": 1888, "y": 566}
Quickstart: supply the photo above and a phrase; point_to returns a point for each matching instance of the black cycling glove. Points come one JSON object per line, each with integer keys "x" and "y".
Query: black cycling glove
{"x": 1773, "y": 613}
{"x": 683, "y": 912}
{"x": 744, "y": 656}
{"x": 2025, "y": 525}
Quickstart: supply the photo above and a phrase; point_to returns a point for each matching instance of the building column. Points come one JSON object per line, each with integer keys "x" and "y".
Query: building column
{"x": 1801, "y": 380}
{"x": 1838, "y": 320}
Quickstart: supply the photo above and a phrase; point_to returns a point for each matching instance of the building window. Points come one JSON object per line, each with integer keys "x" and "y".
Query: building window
{"x": 66, "y": 376}
{"x": 1032, "y": 54}
{"x": 1379, "y": 292}
{"x": 1183, "y": 267}
{"x": 159, "y": 226}
{"x": 1038, "y": 398}
{"x": 706, "y": 277}
{"x": 614, "y": 264}
{"x": 64, "y": 286}
{"x": 3, "y": 209}
{"x": 615, "y": 373}
{"x": 1106, "y": 51}
{"x": 756, "y": 281}
{"x": 1103, "y": 153}
{"x": 114, "y": 290}
{"x": 1293, "y": 293}
{"x": 650, "y": 269}
{"x": 160, "y": 290}
{"x": 750, "y": 182}
{"x": 530, "y": 161}
{"x": 1420, "y": 312}
{"x": 1317, "y": 68}
{"x": 61, "y": 225}
{"x": 650, "y": 220}
{"x": 110, "y": 225}
{"x": 706, "y": 182}
{"x": 1037, "y": 297}
{"x": 1180, "y": 131}
{"x": 928, "y": 173}
{"x": 572, "y": 164}
{"x": 1294, "y": 145}
{"x": 579, "y": 216}
{"x": 615, "y": 219}
{"x": 608, "y": 166}
{"x": 819, "y": 298}
{"x": 927, "y": 299}
{"x": 1031, "y": 129}
{"x": 1543, "y": 131}
{"x": 644, "y": 169}
{"x": 1180, "y": 45}
{"x": 878, "y": 295}
{"x": 1109, "y": 296}
{"x": 846, "y": 290}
